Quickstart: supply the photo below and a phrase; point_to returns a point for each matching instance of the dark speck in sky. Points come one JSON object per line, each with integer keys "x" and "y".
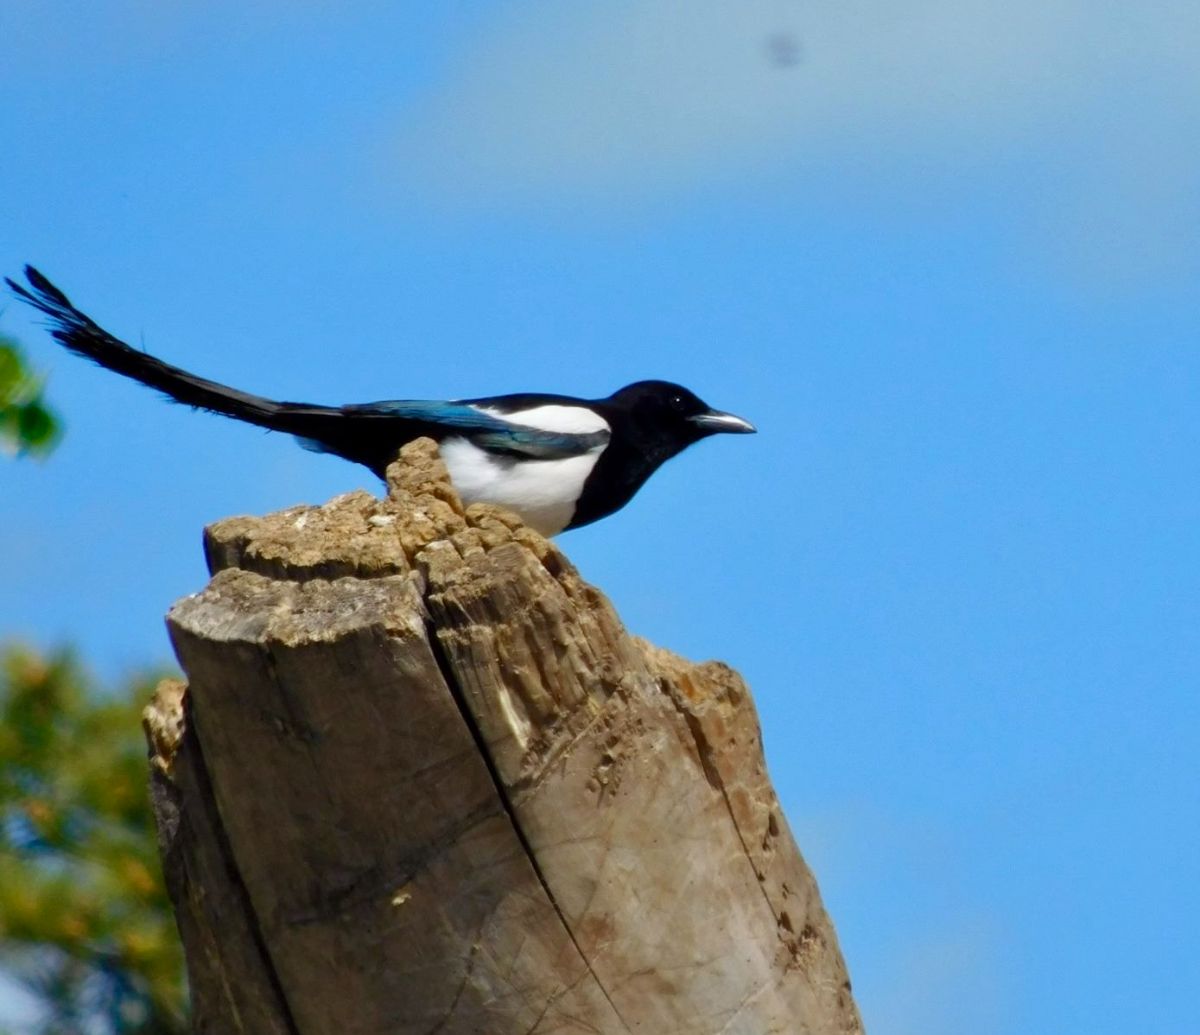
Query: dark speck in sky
{"x": 784, "y": 49}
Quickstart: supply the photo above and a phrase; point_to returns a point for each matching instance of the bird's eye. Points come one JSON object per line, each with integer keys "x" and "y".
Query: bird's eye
{"x": 676, "y": 403}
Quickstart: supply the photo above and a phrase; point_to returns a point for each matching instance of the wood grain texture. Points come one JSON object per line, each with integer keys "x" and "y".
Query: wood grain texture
{"x": 423, "y": 781}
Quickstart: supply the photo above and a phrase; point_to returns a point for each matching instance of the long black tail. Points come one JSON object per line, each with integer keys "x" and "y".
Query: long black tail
{"x": 82, "y": 335}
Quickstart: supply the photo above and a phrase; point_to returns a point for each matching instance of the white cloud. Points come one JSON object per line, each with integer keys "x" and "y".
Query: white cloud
{"x": 632, "y": 94}
{"x": 638, "y": 99}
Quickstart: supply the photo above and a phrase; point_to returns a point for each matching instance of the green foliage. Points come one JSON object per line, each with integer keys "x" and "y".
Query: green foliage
{"x": 26, "y": 425}
{"x": 85, "y": 923}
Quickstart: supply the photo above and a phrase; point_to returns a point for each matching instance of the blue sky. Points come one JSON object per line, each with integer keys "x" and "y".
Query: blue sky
{"x": 943, "y": 254}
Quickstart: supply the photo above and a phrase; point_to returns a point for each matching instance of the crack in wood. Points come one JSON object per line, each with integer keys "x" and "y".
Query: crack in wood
{"x": 451, "y": 679}
{"x": 704, "y": 751}
{"x": 199, "y": 766}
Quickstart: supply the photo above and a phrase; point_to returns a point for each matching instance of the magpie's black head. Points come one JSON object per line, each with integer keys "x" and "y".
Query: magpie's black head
{"x": 665, "y": 418}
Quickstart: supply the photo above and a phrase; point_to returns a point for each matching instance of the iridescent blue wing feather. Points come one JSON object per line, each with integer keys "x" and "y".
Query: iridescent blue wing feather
{"x": 486, "y": 430}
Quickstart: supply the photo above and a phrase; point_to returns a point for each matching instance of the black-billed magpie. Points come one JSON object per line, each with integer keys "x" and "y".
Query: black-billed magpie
{"x": 557, "y": 461}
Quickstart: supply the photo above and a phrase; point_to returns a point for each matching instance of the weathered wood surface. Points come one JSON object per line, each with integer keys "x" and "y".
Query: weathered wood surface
{"x": 422, "y": 781}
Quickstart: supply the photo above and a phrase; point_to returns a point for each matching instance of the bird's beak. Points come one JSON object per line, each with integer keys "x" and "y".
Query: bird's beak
{"x": 714, "y": 422}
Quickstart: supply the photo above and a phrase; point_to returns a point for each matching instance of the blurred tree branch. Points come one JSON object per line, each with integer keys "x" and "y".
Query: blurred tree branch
{"x": 85, "y": 924}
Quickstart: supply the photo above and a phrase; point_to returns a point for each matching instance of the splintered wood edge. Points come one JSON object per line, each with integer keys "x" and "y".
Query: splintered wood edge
{"x": 234, "y": 988}
{"x": 164, "y": 723}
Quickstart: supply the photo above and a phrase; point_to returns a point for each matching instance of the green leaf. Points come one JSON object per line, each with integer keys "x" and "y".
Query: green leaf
{"x": 37, "y": 427}
{"x": 11, "y": 371}
{"x": 26, "y": 424}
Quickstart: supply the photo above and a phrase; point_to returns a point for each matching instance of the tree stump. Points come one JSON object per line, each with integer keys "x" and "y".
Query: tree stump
{"x": 422, "y": 781}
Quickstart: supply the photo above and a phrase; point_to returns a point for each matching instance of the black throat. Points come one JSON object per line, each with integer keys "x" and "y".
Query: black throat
{"x": 632, "y": 455}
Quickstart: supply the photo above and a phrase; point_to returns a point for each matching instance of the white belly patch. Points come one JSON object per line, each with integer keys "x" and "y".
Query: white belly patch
{"x": 542, "y": 492}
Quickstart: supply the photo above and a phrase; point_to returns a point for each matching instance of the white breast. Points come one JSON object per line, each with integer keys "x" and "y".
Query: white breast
{"x": 542, "y": 492}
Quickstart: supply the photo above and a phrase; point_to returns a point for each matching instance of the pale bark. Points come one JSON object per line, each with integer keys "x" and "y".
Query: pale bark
{"x": 422, "y": 781}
